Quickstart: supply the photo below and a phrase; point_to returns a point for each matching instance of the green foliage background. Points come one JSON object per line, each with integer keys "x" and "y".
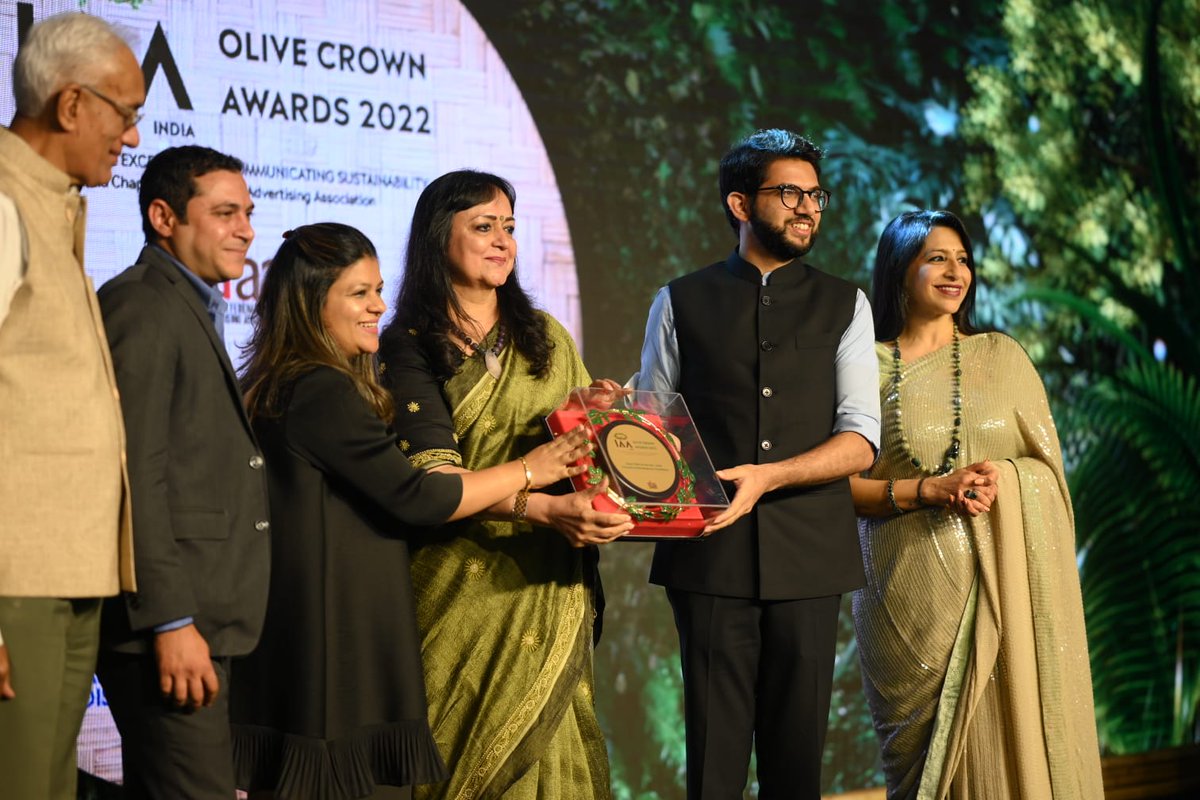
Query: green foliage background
{"x": 1087, "y": 141}
{"x": 1065, "y": 133}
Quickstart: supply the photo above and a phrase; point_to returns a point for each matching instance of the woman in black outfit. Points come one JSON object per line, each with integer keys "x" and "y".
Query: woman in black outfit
{"x": 332, "y": 704}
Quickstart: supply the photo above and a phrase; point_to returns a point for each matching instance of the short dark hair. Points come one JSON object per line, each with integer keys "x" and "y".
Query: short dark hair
{"x": 744, "y": 167}
{"x": 899, "y": 246}
{"x": 171, "y": 177}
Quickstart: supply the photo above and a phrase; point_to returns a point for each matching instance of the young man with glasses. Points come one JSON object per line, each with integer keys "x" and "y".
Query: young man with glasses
{"x": 65, "y": 538}
{"x": 776, "y": 362}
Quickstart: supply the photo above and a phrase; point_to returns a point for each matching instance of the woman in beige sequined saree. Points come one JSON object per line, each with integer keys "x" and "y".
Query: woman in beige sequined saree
{"x": 970, "y": 627}
{"x": 505, "y": 603}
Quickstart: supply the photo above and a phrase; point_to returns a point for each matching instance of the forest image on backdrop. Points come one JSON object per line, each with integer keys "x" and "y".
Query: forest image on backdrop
{"x": 1066, "y": 134}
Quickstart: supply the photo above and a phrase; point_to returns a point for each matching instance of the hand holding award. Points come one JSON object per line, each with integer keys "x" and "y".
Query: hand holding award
{"x": 647, "y": 449}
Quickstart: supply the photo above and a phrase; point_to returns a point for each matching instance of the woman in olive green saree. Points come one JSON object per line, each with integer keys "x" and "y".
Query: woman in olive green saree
{"x": 970, "y": 627}
{"x": 505, "y": 603}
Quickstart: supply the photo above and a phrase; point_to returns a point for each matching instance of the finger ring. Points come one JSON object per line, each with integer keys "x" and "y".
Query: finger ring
{"x": 970, "y": 494}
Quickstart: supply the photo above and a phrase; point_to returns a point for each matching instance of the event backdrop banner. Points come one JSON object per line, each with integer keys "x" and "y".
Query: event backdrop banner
{"x": 342, "y": 111}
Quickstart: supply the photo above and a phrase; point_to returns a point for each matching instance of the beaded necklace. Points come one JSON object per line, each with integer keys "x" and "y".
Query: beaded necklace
{"x": 491, "y": 355}
{"x": 893, "y": 396}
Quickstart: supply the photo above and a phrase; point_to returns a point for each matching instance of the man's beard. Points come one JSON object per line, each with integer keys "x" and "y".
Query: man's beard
{"x": 774, "y": 240}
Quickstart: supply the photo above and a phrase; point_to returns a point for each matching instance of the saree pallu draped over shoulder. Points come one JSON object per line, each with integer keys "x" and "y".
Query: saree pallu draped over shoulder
{"x": 970, "y": 630}
{"x": 504, "y": 609}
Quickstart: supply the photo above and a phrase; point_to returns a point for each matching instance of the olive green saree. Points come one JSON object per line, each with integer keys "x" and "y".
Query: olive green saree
{"x": 505, "y": 612}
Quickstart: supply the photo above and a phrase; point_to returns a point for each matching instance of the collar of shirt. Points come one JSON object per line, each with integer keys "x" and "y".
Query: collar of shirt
{"x": 789, "y": 274}
{"x": 214, "y": 301}
{"x": 34, "y": 166}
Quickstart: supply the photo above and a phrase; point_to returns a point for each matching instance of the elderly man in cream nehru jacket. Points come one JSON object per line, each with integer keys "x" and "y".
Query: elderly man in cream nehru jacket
{"x": 65, "y": 538}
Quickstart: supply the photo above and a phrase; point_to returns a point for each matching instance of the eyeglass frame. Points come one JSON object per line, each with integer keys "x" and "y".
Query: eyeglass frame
{"x": 131, "y": 116}
{"x": 815, "y": 194}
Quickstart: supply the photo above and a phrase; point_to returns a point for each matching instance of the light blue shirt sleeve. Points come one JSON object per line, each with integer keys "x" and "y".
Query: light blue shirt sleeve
{"x": 660, "y": 350}
{"x": 174, "y": 625}
{"x": 857, "y": 370}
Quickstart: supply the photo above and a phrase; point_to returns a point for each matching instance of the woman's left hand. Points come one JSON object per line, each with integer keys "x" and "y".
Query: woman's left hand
{"x": 552, "y": 461}
{"x": 572, "y": 515}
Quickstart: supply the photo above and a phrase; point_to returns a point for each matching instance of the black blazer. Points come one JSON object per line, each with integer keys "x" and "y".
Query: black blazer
{"x": 337, "y": 677}
{"x": 201, "y": 535}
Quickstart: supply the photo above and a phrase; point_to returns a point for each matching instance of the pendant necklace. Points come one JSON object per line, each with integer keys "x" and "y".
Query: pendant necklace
{"x": 952, "y": 452}
{"x": 491, "y": 355}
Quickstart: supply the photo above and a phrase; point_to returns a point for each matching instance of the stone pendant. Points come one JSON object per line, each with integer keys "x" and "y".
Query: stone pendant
{"x": 492, "y": 363}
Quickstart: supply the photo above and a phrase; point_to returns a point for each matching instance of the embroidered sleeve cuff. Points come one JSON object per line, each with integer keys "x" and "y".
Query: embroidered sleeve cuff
{"x": 427, "y": 459}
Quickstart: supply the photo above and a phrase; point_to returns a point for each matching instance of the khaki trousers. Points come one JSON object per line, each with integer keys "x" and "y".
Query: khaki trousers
{"x": 52, "y": 645}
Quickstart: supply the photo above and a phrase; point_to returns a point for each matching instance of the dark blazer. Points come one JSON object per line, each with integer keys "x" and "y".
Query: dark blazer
{"x": 196, "y": 474}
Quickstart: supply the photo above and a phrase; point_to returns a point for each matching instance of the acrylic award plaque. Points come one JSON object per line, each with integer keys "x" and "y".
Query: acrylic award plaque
{"x": 657, "y": 468}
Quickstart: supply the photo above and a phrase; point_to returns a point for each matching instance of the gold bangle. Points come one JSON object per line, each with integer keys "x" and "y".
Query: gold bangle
{"x": 528, "y": 474}
{"x": 519, "y": 505}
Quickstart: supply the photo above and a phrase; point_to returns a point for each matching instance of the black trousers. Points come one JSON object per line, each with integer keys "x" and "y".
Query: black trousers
{"x": 755, "y": 672}
{"x": 167, "y": 752}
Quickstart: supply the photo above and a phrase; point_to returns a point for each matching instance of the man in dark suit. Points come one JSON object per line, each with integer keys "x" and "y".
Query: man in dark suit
{"x": 784, "y": 392}
{"x": 198, "y": 487}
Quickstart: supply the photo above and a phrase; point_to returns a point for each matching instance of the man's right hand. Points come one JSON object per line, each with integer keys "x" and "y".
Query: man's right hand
{"x": 185, "y": 669}
{"x": 752, "y": 482}
{"x": 6, "y": 689}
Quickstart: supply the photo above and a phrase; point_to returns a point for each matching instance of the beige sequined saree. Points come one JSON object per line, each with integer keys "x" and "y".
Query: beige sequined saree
{"x": 970, "y": 630}
{"x": 504, "y": 610}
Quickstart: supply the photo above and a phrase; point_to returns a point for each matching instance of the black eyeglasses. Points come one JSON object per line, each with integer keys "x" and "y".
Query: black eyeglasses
{"x": 792, "y": 196}
{"x": 131, "y": 116}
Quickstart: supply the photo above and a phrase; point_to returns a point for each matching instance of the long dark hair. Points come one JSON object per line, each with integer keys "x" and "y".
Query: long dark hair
{"x": 899, "y": 245}
{"x": 426, "y": 297}
{"x": 289, "y": 337}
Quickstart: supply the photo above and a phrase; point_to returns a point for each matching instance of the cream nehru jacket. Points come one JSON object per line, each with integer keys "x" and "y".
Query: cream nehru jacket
{"x": 64, "y": 491}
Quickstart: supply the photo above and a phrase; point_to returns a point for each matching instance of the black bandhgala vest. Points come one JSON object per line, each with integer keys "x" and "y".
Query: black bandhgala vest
{"x": 757, "y": 370}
